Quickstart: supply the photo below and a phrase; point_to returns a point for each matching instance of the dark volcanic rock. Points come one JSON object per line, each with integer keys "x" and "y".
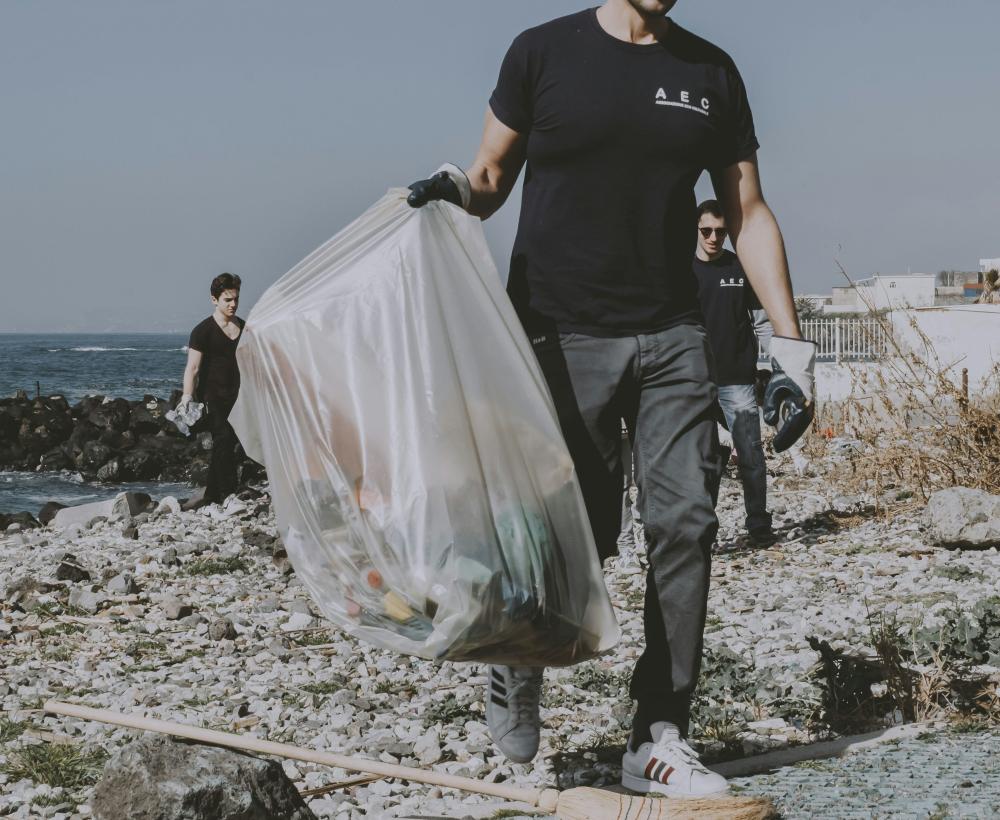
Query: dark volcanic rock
{"x": 114, "y": 414}
{"x": 56, "y": 459}
{"x": 111, "y": 440}
{"x": 94, "y": 456}
{"x": 48, "y": 512}
{"x": 159, "y": 778}
{"x": 69, "y": 569}
{"x": 110, "y": 472}
{"x": 141, "y": 465}
{"x": 25, "y": 519}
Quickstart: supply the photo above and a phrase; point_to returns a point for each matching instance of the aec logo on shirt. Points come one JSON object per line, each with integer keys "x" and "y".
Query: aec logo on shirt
{"x": 683, "y": 101}
{"x": 732, "y": 283}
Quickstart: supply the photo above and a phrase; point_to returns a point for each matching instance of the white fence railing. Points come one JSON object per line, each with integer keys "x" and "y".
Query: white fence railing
{"x": 847, "y": 340}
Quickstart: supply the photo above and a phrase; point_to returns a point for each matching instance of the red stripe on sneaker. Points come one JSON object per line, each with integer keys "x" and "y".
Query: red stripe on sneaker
{"x": 666, "y": 775}
{"x": 649, "y": 768}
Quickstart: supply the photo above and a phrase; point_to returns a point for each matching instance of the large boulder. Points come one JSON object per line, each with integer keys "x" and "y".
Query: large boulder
{"x": 48, "y": 512}
{"x": 141, "y": 465}
{"x": 94, "y": 455}
{"x": 964, "y": 518}
{"x": 123, "y": 505}
{"x": 159, "y": 778}
{"x": 114, "y": 414}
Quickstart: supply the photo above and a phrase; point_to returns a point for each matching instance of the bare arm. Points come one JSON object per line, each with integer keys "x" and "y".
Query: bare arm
{"x": 191, "y": 371}
{"x": 494, "y": 171}
{"x": 758, "y": 243}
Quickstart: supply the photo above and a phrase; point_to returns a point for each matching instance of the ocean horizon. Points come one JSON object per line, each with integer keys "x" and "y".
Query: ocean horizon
{"x": 74, "y": 365}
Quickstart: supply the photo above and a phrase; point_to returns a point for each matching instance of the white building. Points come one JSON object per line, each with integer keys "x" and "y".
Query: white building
{"x": 884, "y": 292}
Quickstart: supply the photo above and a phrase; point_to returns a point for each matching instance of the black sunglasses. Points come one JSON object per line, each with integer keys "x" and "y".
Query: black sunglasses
{"x": 707, "y": 232}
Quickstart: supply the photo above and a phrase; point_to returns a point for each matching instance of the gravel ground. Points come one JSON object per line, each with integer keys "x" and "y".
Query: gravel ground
{"x": 941, "y": 775}
{"x": 213, "y": 629}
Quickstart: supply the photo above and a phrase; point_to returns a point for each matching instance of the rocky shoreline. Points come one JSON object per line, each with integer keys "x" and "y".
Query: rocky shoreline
{"x": 104, "y": 439}
{"x": 198, "y": 617}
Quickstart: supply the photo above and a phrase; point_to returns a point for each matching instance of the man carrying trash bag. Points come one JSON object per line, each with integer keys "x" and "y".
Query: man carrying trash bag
{"x": 616, "y": 112}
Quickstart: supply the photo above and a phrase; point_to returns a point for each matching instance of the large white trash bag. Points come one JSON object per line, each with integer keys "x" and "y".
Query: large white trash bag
{"x": 420, "y": 481}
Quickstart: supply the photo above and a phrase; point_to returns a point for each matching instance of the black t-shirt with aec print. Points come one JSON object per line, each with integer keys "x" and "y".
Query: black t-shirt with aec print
{"x": 618, "y": 134}
{"x": 727, "y": 300}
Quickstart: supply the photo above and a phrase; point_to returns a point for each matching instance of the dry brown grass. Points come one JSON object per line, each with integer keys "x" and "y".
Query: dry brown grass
{"x": 918, "y": 427}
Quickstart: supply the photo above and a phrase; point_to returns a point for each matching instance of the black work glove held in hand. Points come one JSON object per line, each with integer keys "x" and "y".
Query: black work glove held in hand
{"x": 788, "y": 398}
{"x": 449, "y": 183}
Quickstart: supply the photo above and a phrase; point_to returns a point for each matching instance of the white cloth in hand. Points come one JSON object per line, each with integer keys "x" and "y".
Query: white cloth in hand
{"x": 186, "y": 414}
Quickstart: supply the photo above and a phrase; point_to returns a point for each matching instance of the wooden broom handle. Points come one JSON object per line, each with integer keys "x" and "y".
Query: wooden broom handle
{"x": 545, "y": 799}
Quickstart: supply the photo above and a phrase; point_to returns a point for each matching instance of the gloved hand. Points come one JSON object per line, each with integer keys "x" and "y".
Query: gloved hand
{"x": 182, "y": 405}
{"x": 449, "y": 183}
{"x": 788, "y": 398}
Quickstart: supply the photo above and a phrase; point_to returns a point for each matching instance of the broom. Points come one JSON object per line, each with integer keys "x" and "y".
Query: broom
{"x": 573, "y": 804}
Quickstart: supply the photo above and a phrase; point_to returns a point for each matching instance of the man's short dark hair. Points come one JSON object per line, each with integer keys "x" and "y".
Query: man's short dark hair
{"x": 710, "y": 206}
{"x": 223, "y": 282}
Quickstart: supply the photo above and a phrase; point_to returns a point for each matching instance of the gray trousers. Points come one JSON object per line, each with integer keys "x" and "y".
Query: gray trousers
{"x": 739, "y": 406}
{"x": 662, "y": 386}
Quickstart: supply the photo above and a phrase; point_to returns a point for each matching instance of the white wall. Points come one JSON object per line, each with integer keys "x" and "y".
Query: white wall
{"x": 892, "y": 292}
{"x": 961, "y": 336}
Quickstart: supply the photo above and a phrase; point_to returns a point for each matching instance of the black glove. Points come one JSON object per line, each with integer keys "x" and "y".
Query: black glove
{"x": 788, "y": 397}
{"x": 449, "y": 183}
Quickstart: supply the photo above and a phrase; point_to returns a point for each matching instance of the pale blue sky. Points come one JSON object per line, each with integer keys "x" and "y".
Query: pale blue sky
{"x": 146, "y": 146}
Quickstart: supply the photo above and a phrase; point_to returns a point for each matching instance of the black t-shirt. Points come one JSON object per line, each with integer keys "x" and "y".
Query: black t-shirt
{"x": 726, "y": 301}
{"x": 618, "y": 135}
{"x": 218, "y": 375}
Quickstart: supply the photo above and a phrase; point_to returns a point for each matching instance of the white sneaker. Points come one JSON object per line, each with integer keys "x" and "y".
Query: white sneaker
{"x": 669, "y": 766}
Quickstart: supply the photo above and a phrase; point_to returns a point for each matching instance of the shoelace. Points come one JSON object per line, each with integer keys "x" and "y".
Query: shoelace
{"x": 525, "y": 694}
{"x": 679, "y": 748}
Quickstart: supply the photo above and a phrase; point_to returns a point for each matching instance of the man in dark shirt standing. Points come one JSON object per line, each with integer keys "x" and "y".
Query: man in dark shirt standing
{"x": 616, "y": 112}
{"x": 737, "y": 328}
{"x": 213, "y": 376}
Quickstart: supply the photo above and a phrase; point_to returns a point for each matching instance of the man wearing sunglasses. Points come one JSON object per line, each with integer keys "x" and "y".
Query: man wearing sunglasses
{"x": 737, "y": 328}
{"x": 616, "y": 112}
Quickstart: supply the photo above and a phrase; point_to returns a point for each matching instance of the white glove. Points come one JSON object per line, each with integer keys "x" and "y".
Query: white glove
{"x": 796, "y": 358}
{"x": 183, "y": 403}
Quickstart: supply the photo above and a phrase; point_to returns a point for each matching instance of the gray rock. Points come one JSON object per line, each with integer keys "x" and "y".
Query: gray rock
{"x": 174, "y": 609}
{"x": 221, "y": 629}
{"x": 123, "y": 584}
{"x": 158, "y": 778}
{"x": 962, "y": 517}
{"x": 131, "y": 531}
{"x": 193, "y": 621}
{"x": 167, "y": 506}
{"x": 123, "y": 505}
{"x": 298, "y": 605}
{"x": 86, "y": 600}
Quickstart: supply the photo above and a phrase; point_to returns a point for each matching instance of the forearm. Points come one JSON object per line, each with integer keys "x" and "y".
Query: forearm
{"x": 190, "y": 380}
{"x": 761, "y": 252}
{"x": 495, "y": 169}
{"x": 490, "y": 188}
